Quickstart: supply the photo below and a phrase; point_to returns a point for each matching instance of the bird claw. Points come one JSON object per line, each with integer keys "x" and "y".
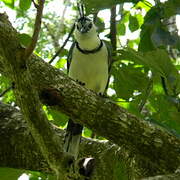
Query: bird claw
{"x": 80, "y": 82}
{"x": 102, "y": 95}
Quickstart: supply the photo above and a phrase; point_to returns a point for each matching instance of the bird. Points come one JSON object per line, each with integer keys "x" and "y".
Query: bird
{"x": 89, "y": 63}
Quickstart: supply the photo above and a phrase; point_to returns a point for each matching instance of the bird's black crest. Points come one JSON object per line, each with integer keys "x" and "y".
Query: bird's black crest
{"x": 81, "y": 10}
{"x": 82, "y": 16}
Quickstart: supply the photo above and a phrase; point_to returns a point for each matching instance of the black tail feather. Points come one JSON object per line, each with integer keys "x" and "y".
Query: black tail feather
{"x": 72, "y": 138}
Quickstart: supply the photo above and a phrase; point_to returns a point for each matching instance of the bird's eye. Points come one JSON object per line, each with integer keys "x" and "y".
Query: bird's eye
{"x": 77, "y": 26}
{"x": 90, "y": 26}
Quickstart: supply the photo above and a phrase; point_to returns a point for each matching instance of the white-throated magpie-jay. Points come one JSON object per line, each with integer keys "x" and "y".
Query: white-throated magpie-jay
{"x": 89, "y": 62}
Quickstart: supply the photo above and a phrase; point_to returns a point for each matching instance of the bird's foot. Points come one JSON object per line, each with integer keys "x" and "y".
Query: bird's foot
{"x": 80, "y": 82}
{"x": 102, "y": 95}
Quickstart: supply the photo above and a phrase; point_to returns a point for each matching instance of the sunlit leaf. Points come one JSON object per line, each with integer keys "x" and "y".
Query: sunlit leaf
{"x": 9, "y": 3}
{"x": 25, "y": 4}
{"x": 59, "y": 118}
{"x": 140, "y": 19}
{"x": 133, "y": 23}
{"x": 100, "y": 25}
{"x": 10, "y": 173}
{"x": 121, "y": 29}
{"x": 87, "y": 132}
{"x": 61, "y": 63}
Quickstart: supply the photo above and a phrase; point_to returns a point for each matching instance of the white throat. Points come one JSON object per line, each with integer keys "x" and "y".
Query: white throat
{"x": 89, "y": 43}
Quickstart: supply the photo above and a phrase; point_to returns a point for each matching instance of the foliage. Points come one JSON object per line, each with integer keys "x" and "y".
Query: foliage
{"x": 145, "y": 74}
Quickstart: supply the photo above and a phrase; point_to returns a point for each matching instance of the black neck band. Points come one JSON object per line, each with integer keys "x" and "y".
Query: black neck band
{"x": 85, "y": 51}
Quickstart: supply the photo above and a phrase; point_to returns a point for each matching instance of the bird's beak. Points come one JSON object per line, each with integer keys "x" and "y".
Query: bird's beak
{"x": 83, "y": 30}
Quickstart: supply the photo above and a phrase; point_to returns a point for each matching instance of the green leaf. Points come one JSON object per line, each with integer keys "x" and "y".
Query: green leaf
{"x": 164, "y": 111}
{"x": 170, "y": 8}
{"x": 133, "y": 23}
{"x": 24, "y": 39}
{"x": 125, "y": 17}
{"x": 135, "y": 77}
{"x": 59, "y": 118}
{"x": 25, "y": 4}
{"x": 61, "y": 63}
{"x": 10, "y": 173}
{"x": 121, "y": 29}
{"x": 159, "y": 62}
{"x": 140, "y": 19}
{"x": 143, "y": 5}
{"x": 100, "y": 25}
{"x": 9, "y": 3}
{"x": 151, "y": 20}
{"x": 145, "y": 43}
{"x": 161, "y": 37}
{"x": 87, "y": 132}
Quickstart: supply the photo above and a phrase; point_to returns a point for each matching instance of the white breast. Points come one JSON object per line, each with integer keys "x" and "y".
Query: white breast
{"x": 91, "y": 69}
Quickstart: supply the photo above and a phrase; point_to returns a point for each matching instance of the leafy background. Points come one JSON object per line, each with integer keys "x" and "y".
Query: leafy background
{"x": 145, "y": 75}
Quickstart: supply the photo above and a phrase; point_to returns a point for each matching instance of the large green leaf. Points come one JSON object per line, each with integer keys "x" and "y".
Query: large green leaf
{"x": 9, "y": 3}
{"x": 128, "y": 79}
{"x": 161, "y": 37}
{"x": 25, "y": 4}
{"x": 10, "y": 173}
{"x": 100, "y": 25}
{"x": 163, "y": 111}
{"x": 159, "y": 62}
{"x": 121, "y": 29}
{"x": 170, "y": 8}
{"x": 59, "y": 119}
{"x": 151, "y": 20}
{"x": 154, "y": 33}
{"x": 133, "y": 23}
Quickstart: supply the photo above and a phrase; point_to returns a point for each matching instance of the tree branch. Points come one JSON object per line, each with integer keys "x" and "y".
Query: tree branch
{"x": 19, "y": 150}
{"x": 113, "y": 29}
{"x": 29, "y": 50}
{"x": 175, "y": 176}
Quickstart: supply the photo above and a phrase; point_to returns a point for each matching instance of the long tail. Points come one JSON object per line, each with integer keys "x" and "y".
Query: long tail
{"x": 72, "y": 138}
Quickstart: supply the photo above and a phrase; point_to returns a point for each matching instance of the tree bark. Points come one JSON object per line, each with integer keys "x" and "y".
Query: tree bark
{"x": 156, "y": 150}
{"x": 19, "y": 150}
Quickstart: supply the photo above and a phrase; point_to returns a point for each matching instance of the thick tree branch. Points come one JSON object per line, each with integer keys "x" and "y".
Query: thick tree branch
{"x": 29, "y": 50}
{"x": 148, "y": 142}
{"x": 19, "y": 150}
{"x": 175, "y": 176}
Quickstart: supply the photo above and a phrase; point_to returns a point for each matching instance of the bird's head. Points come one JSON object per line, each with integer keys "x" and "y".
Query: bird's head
{"x": 85, "y": 28}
